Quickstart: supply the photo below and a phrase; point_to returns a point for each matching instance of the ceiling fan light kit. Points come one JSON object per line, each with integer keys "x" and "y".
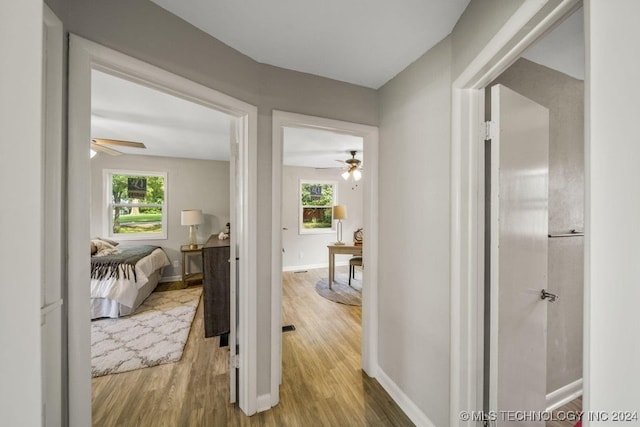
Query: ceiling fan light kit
{"x": 353, "y": 167}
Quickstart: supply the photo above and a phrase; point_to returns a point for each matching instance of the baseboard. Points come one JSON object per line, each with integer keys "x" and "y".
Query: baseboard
{"x": 166, "y": 279}
{"x": 414, "y": 413}
{"x": 312, "y": 266}
{"x": 564, "y": 395}
{"x": 263, "y": 402}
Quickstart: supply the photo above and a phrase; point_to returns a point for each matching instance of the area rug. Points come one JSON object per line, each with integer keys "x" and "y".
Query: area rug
{"x": 341, "y": 292}
{"x": 155, "y": 334}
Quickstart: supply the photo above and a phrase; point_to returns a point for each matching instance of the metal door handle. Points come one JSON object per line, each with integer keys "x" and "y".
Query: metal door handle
{"x": 548, "y": 295}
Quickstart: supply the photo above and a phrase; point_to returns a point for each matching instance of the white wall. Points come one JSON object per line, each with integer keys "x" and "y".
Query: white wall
{"x": 20, "y": 218}
{"x": 313, "y": 247}
{"x": 612, "y": 342}
{"x": 191, "y": 184}
{"x": 415, "y": 109}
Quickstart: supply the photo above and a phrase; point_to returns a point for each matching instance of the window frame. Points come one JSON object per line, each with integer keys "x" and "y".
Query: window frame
{"x": 109, "y": 206}
{"x": 301, "y": 229}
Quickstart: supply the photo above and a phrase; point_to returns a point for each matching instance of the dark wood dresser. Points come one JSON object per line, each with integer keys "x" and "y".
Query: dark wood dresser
{"x": 216, "y": 287}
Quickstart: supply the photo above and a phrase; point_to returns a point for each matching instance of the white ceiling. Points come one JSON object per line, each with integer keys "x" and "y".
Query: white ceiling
{"x": 169, "y": 126}
{"x": 318, "y": 148}
{"x": 173, "y": 127}
{"x": 563, "y": 48}
{"x": 364, "y": 42}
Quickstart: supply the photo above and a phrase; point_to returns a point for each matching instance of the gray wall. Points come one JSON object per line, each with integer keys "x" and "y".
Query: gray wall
{"x": 415, "y": 109}
{"x": 21, "y": 259}
{"x": 144, "y": 30}
{"x": 564, "y": 97}
{"x": 314, "y": 246}
{"x": 191, "y": 184}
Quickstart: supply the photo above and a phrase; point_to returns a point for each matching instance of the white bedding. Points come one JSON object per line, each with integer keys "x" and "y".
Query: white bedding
{"x": 124, "y": 291}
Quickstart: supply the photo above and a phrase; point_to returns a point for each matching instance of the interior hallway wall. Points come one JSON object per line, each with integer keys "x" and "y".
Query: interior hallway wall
{"x": 21, "y": 260}
{"x": 414, "y": 280}
{"x": 564, "y": 97}
{"x": 612, "y": 340}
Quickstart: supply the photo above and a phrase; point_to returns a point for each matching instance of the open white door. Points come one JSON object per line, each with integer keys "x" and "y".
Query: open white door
{"x": 235, "y": 213}
{"x": 519, "y": 227}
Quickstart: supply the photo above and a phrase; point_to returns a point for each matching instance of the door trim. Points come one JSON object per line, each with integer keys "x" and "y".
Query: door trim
{"x": 84, "y": 56}
{"x": 54, "y": 352}
{"x": 531, "y": 21}
{"x": 370, "y": 251}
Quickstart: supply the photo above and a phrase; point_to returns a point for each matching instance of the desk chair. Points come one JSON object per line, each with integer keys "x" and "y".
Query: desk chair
{"x": 356, "y": 260}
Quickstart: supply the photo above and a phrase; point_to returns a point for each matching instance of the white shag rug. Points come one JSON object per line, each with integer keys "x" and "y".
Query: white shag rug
{"x": 155, "y": 334}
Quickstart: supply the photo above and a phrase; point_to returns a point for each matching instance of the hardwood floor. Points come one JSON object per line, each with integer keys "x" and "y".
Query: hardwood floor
{"x": 322, "y": 383}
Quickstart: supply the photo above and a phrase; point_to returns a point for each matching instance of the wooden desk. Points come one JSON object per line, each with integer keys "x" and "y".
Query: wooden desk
{"x": 340, "y": 249}
{"x": 186, "y": 275}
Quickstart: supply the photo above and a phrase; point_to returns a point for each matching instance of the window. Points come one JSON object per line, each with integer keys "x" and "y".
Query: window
{"x": 316, "y": 207}
{"x": 136, "y": 204}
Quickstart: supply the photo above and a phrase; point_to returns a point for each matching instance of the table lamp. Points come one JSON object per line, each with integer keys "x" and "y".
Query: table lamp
{"x": 339, "y": 213}
{"x": 192, "y": 218}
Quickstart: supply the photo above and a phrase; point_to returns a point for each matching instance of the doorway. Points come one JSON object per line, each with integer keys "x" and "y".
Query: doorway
{"x": 181, "y": 151}
{"x": 85, "y": 57}
{"x": 531, "y": 22}
{"x": 559, "y": 87}
{"x": 369, "y": 134}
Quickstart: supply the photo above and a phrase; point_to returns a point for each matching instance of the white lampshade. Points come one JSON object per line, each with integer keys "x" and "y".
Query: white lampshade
{"x": 191, "y": 217}
{"x": 339, "y": 212}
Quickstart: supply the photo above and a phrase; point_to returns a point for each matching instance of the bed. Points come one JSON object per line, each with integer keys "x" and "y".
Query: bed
{"x": 122, "y": 278}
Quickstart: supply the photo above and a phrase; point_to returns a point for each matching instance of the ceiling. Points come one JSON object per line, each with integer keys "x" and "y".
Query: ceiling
{"x": 364, "y": 42}
{"x": 169, "y": 126}
{"x": 318, "y": 148}
{"x": 173, "y": 127}
{"x": 563, "y": 48}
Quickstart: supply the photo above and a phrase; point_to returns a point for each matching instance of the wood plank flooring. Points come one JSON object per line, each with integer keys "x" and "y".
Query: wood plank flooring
{"x": 322, "y": 384}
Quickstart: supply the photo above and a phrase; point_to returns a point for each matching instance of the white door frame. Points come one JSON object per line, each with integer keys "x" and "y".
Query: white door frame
{"x": 370, "y": 250}
{"x": 84, "y": 56}
{"x": 51, "y": 311}
{"x": 532, "y": 20}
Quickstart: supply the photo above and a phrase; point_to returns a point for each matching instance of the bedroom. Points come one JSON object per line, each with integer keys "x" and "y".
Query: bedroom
{"x": 184, "y": 164}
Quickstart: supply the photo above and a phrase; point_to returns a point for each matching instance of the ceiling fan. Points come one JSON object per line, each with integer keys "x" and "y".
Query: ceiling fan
{"x": 106, "y": 145}
{"x": 353, "y": 167}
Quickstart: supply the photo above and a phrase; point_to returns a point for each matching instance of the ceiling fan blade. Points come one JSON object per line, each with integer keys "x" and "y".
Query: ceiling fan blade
{"x": 106, "y": 150}
{"x": 119, "y": 143}
{"x": 340, "y": 161}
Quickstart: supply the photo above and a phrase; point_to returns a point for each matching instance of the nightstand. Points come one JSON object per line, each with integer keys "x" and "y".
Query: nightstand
{"x": 188, "y": 251}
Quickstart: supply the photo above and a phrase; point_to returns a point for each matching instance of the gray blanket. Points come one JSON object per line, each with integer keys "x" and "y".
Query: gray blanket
{"x": 119, "y": 265}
